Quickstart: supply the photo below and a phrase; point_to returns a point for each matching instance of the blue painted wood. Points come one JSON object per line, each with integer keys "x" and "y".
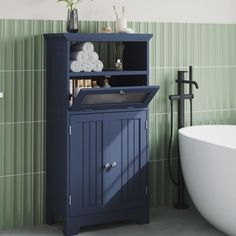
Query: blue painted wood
{"x": 88, "y": 155}
{"x": 75, "y": 163}
{"x": 118, "y": 98}
{"x": 101, "y": 37}
{"x": 73, "y": 223}
{"x": 107, "y": 73}
{"x": 56, "y": 147}
{"x": 125, "y": 189}
{"x": 97, "y": 140}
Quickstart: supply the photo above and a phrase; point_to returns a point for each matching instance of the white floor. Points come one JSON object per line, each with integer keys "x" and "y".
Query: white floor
{"x": 164, "y": 222}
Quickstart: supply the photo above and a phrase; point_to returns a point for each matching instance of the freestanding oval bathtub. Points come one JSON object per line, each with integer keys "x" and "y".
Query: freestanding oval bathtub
{"x": 208, "y": 159}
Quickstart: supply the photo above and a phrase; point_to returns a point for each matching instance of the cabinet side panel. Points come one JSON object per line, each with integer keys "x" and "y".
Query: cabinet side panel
{"x": 57, "y": 85}
{"x": 56, "y": 163}
{"x": 57, "y": 134}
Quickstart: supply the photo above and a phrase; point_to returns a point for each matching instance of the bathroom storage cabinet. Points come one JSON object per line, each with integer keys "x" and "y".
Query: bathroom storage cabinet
{"x": 97, "y": 146}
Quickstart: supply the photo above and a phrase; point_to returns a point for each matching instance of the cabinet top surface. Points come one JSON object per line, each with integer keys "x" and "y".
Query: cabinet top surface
{"x": 100, "y": 37}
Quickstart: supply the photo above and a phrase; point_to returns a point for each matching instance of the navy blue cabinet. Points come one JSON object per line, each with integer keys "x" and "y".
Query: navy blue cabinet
{"x": 108, "y": 162}
{"x": 97, "y": 141}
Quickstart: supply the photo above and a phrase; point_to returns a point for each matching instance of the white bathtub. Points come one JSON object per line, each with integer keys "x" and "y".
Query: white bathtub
{"x": 208, "y": 158}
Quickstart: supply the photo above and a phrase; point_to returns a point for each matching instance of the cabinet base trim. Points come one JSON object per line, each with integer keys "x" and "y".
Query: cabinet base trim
{"x": 73, "y": 224}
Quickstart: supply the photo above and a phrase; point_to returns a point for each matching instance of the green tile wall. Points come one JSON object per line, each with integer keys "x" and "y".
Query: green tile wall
{"x": 210, "y": 48}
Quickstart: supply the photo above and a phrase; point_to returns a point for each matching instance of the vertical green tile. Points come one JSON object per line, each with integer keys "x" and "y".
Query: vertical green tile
{"x": 24, "y": 96}
{"x": 28, "y": 44}
{"x": 25, "y": 209}
{"x": 8, "y": 42}
{"x": 22, "y": 148}
{"x": 162, "y": 191}
{"x": 160, "y": 136}
{"x": 38, "y": 45}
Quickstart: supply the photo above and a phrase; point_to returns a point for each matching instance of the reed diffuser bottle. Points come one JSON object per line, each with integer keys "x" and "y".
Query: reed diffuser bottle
{"x": 119, "y": 50}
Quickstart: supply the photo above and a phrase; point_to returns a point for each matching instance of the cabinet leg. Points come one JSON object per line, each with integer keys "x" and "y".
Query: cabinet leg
{"x": 143, "y": 219}
{"x": 49, "y": 217}
{"x": 70, "y": 228}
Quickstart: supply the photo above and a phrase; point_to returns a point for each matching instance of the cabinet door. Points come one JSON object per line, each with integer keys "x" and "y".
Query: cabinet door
{"x": 125, "y": 183}
{"x": 87, "y": 156}
{"x": 114, "y": 98}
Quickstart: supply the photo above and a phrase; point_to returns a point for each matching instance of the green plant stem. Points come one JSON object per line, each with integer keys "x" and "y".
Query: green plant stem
{"x": 70, "y": 3}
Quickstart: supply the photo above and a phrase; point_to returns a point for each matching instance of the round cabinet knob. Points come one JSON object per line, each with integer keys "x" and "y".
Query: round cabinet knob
{"x": 122, "y": 92}
{"x": 107, "y": 165}
{"x": 114, "y": 164}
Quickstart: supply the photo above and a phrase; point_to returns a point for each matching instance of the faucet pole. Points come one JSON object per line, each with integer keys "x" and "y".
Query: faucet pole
{"x": 180, "y": 97}
{"x": 181, "y": 184}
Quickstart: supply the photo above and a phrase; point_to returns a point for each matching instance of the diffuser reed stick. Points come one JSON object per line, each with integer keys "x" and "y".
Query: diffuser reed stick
{"x": 123, "y": 12}
{"x": 119, "y": 50}
{"x": 115, "y": 12}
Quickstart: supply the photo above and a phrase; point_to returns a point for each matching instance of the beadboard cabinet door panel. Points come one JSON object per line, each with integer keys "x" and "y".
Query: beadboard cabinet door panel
{"x": 128, "y": 177}
{"x": 88, "y": 154}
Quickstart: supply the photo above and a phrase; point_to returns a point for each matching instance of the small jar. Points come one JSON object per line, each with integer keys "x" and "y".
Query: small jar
{"x": 106, "y": 84}
{"x": 119, "y": 65}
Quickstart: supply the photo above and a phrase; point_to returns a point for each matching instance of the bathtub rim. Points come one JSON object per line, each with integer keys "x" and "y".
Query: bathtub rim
{"x": 181, "y": 132}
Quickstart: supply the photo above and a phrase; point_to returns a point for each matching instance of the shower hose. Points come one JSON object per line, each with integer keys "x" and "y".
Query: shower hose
{"x": 170, "y": 140}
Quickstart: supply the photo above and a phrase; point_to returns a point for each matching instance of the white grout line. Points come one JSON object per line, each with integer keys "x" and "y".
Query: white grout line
{"x": 161, "y": 114}
{"x": 167, "y": 67}
{"x": 154, "y": 114}
{"x": 160, "y": 160}
{"x": 194, "y": 67}
{"x": 23, "y": 174}
{"x": 212, "y": 111}
{"x": 226, "y": 66}
{"x": 187, "y": 112}
{"x": 23, "y": 122}
{"x": 36, "y": 70}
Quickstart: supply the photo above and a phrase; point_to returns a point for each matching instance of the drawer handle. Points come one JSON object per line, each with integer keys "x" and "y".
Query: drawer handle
{"x": 114, "y": 164}
{"x": 122, "y": 92}
{"x": 107, "y": 165}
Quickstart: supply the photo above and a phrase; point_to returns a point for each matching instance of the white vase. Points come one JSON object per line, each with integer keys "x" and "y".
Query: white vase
{"x": 121, "y": 24}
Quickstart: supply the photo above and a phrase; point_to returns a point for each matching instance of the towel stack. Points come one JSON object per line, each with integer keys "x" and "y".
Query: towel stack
{"x": 84, "y": 58}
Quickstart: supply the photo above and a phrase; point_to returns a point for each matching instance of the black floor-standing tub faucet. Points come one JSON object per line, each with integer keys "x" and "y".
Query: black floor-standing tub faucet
{"x": 181, "y": 97}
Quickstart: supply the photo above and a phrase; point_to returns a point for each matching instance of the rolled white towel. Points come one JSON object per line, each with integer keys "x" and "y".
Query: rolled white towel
{"x": 97, "y": 66}
{"x": 87, "y": 66}
{"x": 86, "y": 46}
{"x": 92, "y": 56}
{"x": 76, "y": 66}
{"x": 79, "y": 56}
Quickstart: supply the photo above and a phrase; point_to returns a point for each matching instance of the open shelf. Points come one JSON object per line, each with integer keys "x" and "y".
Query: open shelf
{"x": 107, "y": 73}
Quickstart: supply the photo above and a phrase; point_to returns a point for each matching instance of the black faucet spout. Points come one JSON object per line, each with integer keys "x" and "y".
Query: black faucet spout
{"x": 196, "y": 84}
{"x": 191, "y": 82}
